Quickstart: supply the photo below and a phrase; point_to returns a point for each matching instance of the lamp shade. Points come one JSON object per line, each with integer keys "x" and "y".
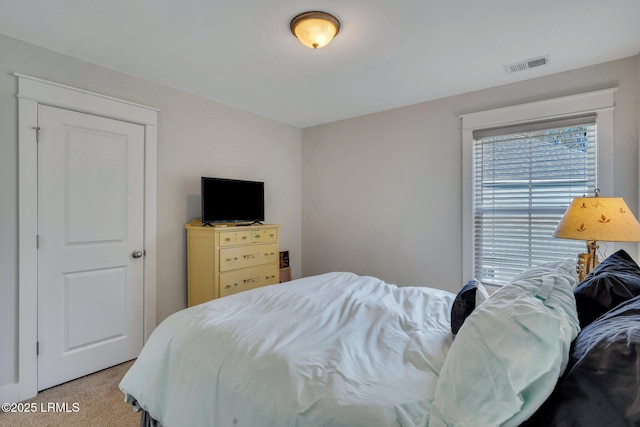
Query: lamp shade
{"x": 315, "y": 29}
{"x": 606, "y": 219}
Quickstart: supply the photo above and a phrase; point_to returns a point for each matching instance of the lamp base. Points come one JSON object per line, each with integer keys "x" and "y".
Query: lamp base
{"x": 587, "y": 262}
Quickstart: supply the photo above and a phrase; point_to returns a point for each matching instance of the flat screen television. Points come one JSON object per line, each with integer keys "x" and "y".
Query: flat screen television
{"x": 232, "y": 200}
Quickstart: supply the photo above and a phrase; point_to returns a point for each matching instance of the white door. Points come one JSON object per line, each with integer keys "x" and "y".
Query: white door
{"x": 90, "y": 228}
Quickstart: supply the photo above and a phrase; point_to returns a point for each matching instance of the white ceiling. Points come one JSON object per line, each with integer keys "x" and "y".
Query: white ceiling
{"x": 389, "y": 53}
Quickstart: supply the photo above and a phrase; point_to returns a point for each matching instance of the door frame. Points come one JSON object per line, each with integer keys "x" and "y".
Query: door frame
{"x": 31, "y": 92}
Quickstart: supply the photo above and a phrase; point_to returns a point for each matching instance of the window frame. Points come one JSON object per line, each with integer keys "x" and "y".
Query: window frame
{"x": 601, "y": 103}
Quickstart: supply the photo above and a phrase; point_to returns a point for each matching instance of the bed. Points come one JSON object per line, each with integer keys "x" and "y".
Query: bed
{"x": 340, "y": 349}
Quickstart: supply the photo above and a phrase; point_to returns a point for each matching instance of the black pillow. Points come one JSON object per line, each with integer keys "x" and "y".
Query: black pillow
{"x": 465, "y": 303}
{"x": 600, "y": 385}
{"x": 613, "y": 281}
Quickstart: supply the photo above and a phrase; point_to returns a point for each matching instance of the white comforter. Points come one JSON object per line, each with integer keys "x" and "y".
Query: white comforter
{"x": 330, "y": 350}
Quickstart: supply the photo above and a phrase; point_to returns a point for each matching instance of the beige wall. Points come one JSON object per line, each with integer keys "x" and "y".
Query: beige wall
{"x": 195, "y": 137}
{"x": 382, "y": 193}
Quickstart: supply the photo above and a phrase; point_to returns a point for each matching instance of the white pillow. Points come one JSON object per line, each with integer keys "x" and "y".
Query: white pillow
{"x": 509, "y": 353}
{"x": 481, "y": 295}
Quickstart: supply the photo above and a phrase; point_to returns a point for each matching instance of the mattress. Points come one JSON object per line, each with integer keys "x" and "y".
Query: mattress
{"x": 334, "y": 349}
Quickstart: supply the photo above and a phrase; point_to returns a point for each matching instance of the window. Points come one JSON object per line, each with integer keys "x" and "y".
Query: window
{"x": 524, "y": 178}
{"x": 522, "y": 166}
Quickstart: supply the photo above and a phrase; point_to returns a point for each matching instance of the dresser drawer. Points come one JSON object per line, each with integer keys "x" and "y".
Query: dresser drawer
{"x": 267, "y": 235}
{"x": 248, "y": 256}
{"x": 230, "y": 238}
{"x": 249, "y": 278}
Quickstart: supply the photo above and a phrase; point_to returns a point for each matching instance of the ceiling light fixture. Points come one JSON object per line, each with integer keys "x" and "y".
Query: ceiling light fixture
{"x": 315, "y": 29}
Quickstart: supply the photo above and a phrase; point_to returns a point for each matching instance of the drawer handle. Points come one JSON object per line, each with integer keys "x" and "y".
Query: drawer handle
{"x": 244, "y": 237}
{"x": 235, "y": 285}
{"x": 232, "y": 259}
{"x": 228, "y": 239}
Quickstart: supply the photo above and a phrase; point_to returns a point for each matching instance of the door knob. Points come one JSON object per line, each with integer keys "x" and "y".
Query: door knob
{"x": 136, "y": 254}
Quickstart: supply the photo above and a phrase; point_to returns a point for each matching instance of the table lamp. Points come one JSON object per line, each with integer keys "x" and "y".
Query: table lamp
{"x": 595, "y": 218}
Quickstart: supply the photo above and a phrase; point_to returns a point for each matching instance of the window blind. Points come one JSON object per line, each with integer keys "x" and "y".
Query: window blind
{"x": 525, "y": 177}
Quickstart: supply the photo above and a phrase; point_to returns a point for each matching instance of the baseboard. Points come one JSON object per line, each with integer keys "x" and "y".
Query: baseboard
{"x": 10, "y": 393}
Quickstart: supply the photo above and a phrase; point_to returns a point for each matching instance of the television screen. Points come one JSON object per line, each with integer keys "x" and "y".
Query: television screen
{"x": 232, "y": 200}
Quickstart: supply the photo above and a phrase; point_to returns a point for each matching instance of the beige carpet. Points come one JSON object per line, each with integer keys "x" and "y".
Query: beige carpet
{"x": 94, "y": 400}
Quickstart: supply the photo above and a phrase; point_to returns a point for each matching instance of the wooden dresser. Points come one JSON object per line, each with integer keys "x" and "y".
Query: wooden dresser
{"x": 225, "y": 259}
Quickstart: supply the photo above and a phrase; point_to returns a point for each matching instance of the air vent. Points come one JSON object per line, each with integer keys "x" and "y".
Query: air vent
{"x": 525, "y": 65}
